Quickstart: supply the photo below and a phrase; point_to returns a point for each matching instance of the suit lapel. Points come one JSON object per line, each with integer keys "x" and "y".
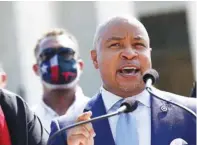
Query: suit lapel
{"x": 101, "y": 127}
{"x": 159, "y": 126}
{"x": 166, "y": 125}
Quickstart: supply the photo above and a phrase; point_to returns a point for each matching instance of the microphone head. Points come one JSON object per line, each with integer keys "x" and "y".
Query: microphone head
{"x": 151, "y": 74}
{"x": 131, "y": 105}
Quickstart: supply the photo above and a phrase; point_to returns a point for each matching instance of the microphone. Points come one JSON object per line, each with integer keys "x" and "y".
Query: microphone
{"x": 150, "y": 77}
{"x": 131, "y": 105}
{"x": 126, "y": 107}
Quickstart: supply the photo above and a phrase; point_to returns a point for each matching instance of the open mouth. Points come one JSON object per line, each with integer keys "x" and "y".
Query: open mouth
{"x": 129, "y": 71}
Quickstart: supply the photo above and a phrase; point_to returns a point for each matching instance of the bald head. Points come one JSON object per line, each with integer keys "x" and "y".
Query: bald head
{"x": 120, "y": 44}
{"x": 118, "y": 22}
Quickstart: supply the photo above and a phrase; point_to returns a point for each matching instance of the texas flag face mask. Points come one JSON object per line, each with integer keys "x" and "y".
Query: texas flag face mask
{"x": 58, "y": 68}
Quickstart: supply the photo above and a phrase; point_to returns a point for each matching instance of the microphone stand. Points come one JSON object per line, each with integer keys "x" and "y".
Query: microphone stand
{"x": 122, "y": 109}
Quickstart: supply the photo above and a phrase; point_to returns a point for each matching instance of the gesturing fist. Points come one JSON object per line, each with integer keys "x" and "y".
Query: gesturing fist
{"x": 83, "y": 134}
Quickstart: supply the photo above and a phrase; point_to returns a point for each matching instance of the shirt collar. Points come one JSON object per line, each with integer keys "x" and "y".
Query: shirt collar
{"x": 143, "y": 98}
{"x": 110, "y": 99}
{"x": 79, "y": 93}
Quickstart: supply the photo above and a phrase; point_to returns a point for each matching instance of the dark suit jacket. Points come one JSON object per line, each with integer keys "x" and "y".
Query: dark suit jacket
{"x": 24, "y": 126}
{"x": 172, "y": 117}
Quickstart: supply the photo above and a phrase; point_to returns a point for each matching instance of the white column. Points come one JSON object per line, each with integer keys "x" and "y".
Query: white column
{"x": 32, "y": 19}
{"x": 191, "y": 19}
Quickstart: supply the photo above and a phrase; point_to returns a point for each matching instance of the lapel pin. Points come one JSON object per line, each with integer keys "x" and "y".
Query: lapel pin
{"x": 164, "y": 108}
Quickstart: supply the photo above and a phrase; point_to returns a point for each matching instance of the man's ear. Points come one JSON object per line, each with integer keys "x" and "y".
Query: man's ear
{"x": 36, "y": 69}
{"x": 3, "y": 81}
{"x": 94, "y": 58}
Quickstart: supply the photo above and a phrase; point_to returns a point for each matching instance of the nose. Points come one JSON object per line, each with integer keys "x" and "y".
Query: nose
{"x": 128, "y": 53}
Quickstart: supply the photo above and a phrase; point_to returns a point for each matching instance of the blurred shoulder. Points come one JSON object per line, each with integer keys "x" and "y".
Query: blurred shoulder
{"x": 9, "y": 97}
{"x": 183, "y": 100}
{"x": 188, "y": 102}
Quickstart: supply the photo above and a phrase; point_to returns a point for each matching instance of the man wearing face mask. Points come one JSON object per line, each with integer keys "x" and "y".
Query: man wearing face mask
{"x": 59, "y": 67}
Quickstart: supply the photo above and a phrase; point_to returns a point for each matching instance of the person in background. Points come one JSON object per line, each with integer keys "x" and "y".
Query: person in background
{"x": 4, "y": 132}
{"x": 59, "y": 67}
{"x": 18, "y": 124}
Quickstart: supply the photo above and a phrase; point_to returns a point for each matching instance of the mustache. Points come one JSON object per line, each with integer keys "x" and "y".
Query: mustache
{"x": 130, "y": 62}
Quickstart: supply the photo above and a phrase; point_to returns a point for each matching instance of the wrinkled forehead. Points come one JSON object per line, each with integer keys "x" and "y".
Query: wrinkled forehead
{"x": 56, "y": 42}
{"x": 120, "y": 27}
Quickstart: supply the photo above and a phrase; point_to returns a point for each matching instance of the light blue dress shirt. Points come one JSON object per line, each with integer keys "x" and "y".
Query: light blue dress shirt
{"x": 142, "y": 114}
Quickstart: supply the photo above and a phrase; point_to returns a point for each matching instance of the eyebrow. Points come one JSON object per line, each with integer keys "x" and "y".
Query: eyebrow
{"x": 138, "y": 38}
{"x": 115, "y": 38}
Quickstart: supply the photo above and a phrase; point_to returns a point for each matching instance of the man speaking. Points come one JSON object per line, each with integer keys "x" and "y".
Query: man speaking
{"x": 122, "y": 54}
